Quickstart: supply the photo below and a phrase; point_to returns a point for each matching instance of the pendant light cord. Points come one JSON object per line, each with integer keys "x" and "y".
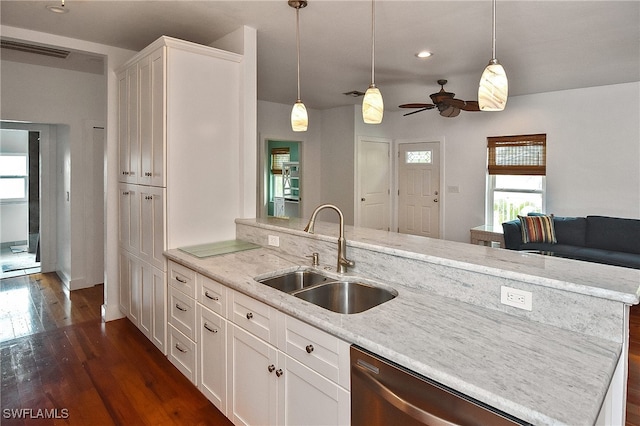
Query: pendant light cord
{"x": 493, "y": 44}
{"x": 298, "y": 47}
{"x": 373, "y": 41}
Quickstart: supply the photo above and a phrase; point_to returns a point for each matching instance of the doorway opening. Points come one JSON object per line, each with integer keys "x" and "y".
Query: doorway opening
{"x": 283, "y": 183}
{"x": 19, "y": 202}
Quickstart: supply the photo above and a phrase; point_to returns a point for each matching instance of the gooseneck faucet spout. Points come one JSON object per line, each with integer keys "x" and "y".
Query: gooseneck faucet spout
{"x": 343, "y": 262}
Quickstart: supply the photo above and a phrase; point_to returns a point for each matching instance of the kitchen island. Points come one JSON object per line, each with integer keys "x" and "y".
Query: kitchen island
{"x": 563, "y": 362}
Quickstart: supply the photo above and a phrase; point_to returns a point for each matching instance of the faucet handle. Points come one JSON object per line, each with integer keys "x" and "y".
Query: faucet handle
{"x": 315, "y": 258}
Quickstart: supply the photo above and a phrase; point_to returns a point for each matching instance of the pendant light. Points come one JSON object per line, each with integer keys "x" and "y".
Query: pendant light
{"x": 372, "y": 104}
{"x": 494, "y": 87}
{"x": 299, "y": 117}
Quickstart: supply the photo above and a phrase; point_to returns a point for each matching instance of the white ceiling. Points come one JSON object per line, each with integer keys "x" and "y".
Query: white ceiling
{"x": 543, "y": 45}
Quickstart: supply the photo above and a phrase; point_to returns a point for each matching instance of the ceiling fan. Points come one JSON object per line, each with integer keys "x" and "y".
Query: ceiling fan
{"x": 445, "y": 102}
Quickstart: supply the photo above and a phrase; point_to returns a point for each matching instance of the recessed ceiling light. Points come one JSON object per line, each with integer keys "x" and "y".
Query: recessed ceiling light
{"x": 424, "y": 54}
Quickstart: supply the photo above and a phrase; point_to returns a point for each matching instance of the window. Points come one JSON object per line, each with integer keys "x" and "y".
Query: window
{"x": 516, "y": 176}
{"x": 418, "y": 157}
{"x": 279, "y": 156}
{"x": 13, "y": 177}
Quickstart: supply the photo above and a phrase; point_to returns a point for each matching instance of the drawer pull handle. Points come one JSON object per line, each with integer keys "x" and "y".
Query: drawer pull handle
{"x": 216, "y": 298}
{"x": 184, "y": 351}
{"x": 180, "y": 280}
{"x": 249, "y": 315}
{"x": 309, "y": 348}
{"x": 213, "y": 330}
{"x": 271, "y": 368}
{"x": 279, "y": 372}
{"x": 180, "y": 308}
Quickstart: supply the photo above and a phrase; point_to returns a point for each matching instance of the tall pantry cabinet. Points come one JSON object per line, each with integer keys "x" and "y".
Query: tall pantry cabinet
{"x": 178, "y": 137}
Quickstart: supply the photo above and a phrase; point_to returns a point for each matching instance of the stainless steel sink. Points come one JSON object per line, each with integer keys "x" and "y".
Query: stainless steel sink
{"x": 346, "y": 297}
{"x": 295, "y": 280}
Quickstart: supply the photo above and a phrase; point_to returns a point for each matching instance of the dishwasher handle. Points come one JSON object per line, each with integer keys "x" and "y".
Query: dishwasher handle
{"x": 397, "y": 401}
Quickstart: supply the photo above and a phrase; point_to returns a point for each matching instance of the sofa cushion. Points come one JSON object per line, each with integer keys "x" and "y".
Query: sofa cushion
{"x": 553, "y": 249}
{"x": 537, "y": 229}
{"x": 612, "y": 233}
{"x": 570, "y": 230}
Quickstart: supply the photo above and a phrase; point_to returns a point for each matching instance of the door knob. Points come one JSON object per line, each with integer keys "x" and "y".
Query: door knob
{"x": 363, "y": 199}
{"x": 435, "y": 200}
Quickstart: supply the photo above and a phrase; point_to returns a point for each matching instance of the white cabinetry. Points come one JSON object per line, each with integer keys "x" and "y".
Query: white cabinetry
{"x": 256, "y": 364}
{"x": 179, "y": 145}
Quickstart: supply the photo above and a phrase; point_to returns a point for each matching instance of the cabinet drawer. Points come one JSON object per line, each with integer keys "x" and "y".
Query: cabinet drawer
{"x": 182, "y": 354}
{"x": 182, "y": 313}
{"x": 212, "y": 294}
{"x": 182, "y": 278}
{"x": 320, "y": 351}
{"x": 254, "y": 316}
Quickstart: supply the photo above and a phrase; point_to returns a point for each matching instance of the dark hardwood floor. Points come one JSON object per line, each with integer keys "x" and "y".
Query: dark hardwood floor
{"x": 63, "y": 362}
{"x": 58, "y": 359}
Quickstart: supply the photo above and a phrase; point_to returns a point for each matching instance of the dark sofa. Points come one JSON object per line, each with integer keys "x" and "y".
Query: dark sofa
{"x": 601, "y": 239}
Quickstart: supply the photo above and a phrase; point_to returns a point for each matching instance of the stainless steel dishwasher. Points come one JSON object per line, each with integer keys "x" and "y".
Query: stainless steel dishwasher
{"x": 385, "y": 394}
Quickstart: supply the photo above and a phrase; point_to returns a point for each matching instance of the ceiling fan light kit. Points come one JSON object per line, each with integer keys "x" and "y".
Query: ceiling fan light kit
{"x": 299, "y": 117}
{"x": 445, "y": 102}
{"x": 372, "y": 104}
{"x": 493, "y": 89}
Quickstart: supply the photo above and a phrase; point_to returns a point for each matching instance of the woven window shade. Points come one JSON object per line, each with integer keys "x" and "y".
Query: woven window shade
{"x": 517, "y": 155}
{"x": 278, "y": 157}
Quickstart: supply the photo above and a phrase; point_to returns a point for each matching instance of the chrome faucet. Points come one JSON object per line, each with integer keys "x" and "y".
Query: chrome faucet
{"x": 343, "y": 262}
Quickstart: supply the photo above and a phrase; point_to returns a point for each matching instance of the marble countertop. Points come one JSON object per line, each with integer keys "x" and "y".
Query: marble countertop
{"x": 602, "y": 281}
{"x": 538, "y": 373}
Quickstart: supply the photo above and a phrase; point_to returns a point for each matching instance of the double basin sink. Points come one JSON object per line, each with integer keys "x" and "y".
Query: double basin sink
{"x": 345, "y": 295}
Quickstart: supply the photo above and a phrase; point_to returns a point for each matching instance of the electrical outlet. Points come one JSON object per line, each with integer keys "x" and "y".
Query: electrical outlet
{"x": 274, "y": 240}
{"x": 517, "y": 298}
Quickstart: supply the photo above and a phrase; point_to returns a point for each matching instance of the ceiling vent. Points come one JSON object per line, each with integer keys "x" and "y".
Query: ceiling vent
{"x": 33, "y": 48}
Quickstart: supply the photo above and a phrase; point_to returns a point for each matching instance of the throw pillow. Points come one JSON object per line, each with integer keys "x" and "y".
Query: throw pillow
{"x": 537, "y": 229}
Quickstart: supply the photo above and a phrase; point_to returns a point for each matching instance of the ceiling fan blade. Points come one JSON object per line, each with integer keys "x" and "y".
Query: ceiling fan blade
{"x": 460, "y": 104}
{"x": 450, "y": 112}
{"x": 414, "y": 112}
{"x": 417, "y": 105}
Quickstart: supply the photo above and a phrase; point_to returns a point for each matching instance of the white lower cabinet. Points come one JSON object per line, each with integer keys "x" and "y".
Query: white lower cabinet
{"x": 212, "y": 357}
{"x": 257, "y": 365}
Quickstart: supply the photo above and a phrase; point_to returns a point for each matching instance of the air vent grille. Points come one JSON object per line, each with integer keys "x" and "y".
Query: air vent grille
{"x": 33, "y": 48}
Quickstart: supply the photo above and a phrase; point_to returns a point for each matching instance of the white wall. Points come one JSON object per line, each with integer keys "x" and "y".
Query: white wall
{"x": 593, "y": 143}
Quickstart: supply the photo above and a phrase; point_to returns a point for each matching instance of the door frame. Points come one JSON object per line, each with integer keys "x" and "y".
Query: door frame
{"x": 356, "y": 200}
{"x": 441, "y": 205}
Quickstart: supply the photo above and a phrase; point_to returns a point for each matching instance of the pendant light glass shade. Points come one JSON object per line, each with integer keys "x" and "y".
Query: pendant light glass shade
{"x": 299, "y": 117}
{"x": 494, "y": 86}
{"x": 372, "y": 104}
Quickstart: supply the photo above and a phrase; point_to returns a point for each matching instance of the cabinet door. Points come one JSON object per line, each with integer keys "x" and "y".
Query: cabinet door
{"x": 152, "y": 226}
{"x": 124, "y": 288}
{"x": 152, "y": 119}
{"x": 153, "y": 299}
{"x": 252, "y": 381}
{"x": 123, "y": 127}
{"x": 128, "y": 139}
{"x": 135, "y": 293}
{"x": 212, "y": 357}
{"x": 310, "y": 399}
{"x": 129, "y": 218}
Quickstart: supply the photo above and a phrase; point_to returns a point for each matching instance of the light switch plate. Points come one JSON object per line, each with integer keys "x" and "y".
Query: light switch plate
{"x": 274, "y": 240}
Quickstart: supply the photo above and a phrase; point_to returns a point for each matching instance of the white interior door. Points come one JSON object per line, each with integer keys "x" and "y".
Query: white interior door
{"x": 419, "y": 189}
{"x": 373, "y": 198}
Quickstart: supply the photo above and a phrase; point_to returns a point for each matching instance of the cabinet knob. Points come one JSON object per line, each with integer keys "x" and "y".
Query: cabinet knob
{"x": 180, "y": 308}
{"x": 180, "y": 280}
{"x": 309, "y": 348}
{"x": 279, "y": 372}
{"x": 271, "y": 368}
{"x": 249, "y": 315}
{"x": 180, "y": 349}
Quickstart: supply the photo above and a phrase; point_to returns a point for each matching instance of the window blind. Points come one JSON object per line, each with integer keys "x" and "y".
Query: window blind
{"x": 517, "y": 155}
{"x": 278, "y": 157}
